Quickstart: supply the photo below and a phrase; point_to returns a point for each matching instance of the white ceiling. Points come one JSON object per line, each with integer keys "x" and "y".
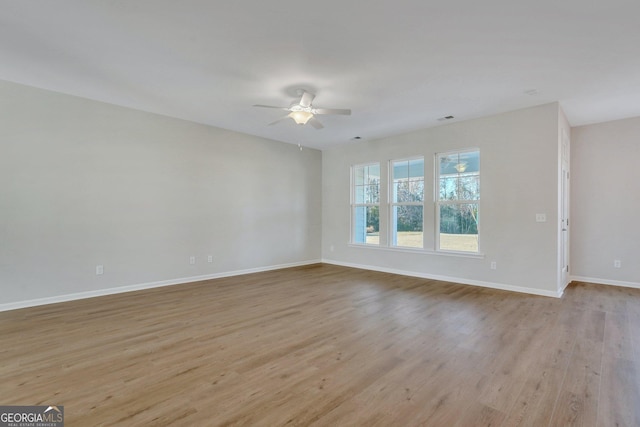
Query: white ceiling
{"x": 399, "y": 65}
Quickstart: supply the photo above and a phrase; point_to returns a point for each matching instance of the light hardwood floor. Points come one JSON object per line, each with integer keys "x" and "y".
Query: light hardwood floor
{"x": 328, "y": 345}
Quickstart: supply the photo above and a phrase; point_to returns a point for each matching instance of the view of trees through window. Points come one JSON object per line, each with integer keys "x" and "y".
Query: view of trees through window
{"x": 458, "y": 200}
{"x": 407, "y": 203}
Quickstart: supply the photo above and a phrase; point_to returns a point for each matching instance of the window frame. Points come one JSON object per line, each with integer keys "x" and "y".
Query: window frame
{"x": 392, "y": 203}
{"x": 438, "y": 203}
{"x": 355, "y": 204}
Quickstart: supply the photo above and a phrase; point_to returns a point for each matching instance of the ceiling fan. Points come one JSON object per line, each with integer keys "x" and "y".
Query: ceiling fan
{"x": 303, "y": 112}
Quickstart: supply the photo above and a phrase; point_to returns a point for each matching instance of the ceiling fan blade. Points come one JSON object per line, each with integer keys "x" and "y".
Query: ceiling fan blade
{"x": 315, "y": 123}
{"x": 306, "y": 99}
{"x": 341, "y": 111}
{"x": 271, "y": 106}
{"x": 279, "y": 120}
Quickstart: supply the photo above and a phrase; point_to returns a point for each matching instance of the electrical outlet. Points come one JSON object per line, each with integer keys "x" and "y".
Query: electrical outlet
{"x": 99, "y": 270}
{"x": 617, "y": 263}
{"x": 210, "y": 258}
{"x": 192, "y": 260}
{"x": 494, "y": 265}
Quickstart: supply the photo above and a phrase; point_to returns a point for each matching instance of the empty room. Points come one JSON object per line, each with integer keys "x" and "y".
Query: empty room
{"x": 407, "y": 213}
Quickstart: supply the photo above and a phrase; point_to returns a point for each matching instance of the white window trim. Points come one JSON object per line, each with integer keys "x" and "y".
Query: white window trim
{"x": 419, "y": 251}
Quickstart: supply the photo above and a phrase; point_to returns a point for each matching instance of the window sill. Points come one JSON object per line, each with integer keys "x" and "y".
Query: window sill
{"x": 418, "y": 251}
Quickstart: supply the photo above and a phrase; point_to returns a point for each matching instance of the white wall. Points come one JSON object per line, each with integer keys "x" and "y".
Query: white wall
{"x": 519, "y": 178}
{"x": 605, "y": 202}
{"x": 84, "y": 183}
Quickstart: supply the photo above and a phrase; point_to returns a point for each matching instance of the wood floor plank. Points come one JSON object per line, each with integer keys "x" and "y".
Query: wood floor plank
{"x": 633, "y": 319}
{"x": 326, "y": 345}
{"x": 616, "y": 409}
{"x": 577, "y": 402}
{"x": 479, "y": 415}
{"x": 617, "y": 337}
{"x": 534, "y": 406}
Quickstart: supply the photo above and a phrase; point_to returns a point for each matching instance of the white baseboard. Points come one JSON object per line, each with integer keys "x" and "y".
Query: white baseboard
{"x": 141, "y": 286}
{"x": 483, "y": 284}
{"x": 606, "y": 282}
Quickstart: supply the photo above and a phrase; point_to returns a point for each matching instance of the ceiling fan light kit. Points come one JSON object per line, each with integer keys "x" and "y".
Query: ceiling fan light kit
{"x": 302, "y": 112}
{"x": 300, "y": 117}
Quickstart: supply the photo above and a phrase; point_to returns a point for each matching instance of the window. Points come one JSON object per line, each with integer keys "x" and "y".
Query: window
{"x": 407, "y": 202}
{"x": 365, "y": 204}
{"x": 458, "y": 178}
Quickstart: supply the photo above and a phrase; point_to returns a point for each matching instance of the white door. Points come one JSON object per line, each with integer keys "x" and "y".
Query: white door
{"x": 564, "y": 238}
{"x": 564, "y": 211}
